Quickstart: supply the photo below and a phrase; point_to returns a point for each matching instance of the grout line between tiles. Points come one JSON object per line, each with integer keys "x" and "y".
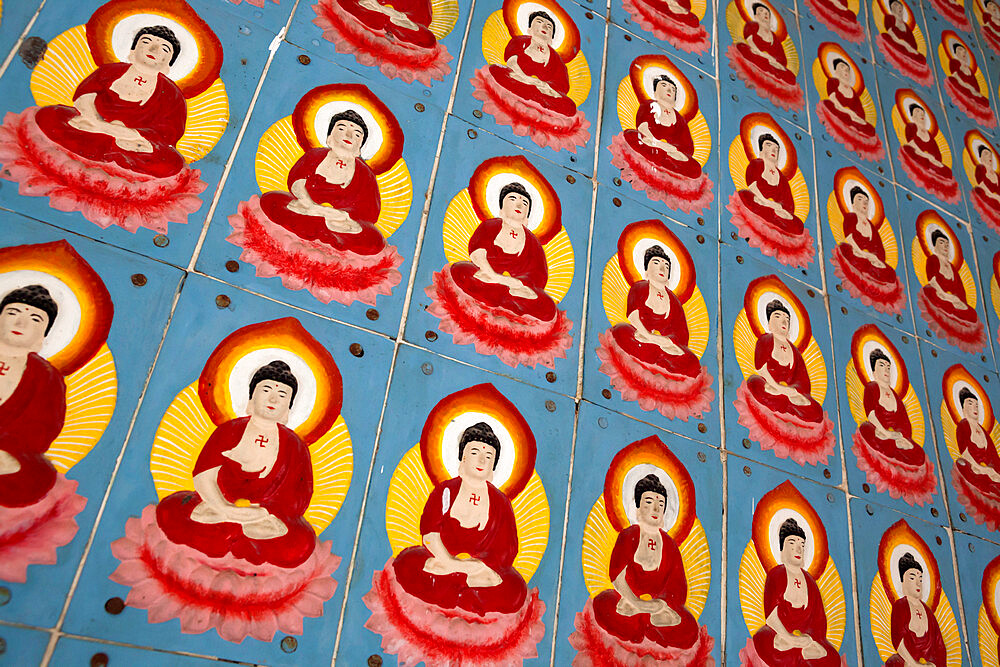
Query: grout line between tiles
{"x": 20, "y": 40}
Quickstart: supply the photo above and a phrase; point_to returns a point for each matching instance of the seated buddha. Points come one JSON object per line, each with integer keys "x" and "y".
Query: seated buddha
{"x": 794, "y": 631}
{"x": 529, "y": 91}
{"x": 775, "y": 403}
{"x": 898, "y": 45}
{"x": 914, "y": 629}
{"x": 963, "y": 87}
{"x": 764, "y": 212}
{"x": 944, "y": 303}
{"x": 991, "y": 24}
{"x": 986, "y": 188}
{"x": 976, "y": 474}
{"x": 843, "y": 114}
{"x": 760, "y": 61}
{"x": 326, "y": 220}
{"x": 883, "y": 442}
{"x": 921, "y": 157}
{"x": 860, "y": 261}
{"x": 648, "y": 358}
{"x": 497, "y": 300}
{"x": 838, "y": 17}
{"x": 658, "y": 156}
{"x": 672, "y": 21}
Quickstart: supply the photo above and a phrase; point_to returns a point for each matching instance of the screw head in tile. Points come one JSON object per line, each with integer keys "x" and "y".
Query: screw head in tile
{"x": 472, "y": 134}
{"x": 550, "y": 405}
{"x": 374, "y": 661}
{"x": 419, "y": 106}
{"x": 4, "y": 595}
{"x": 99, "y": 660}
{"x": 606, "y": 393}
{"x": 427, "y": 368}
{"x": 937, "y": 539}
{"x": 868, "y": 508}
{"x": 571, "y": 179}
{"x": 477, "y": 113}
{"x": 746, "y": 443}
{"x": 372, "y": 314}
{"x": 617, "y": 202}
{"x": 161, "y": 241}
{"x": 222, "y": 301}
{"x": 232, "y": 266}
{"x": 747, "y": 471}
{"x": 357, "y": 350}
{"x": 826, "y": 473}
{"x": 304, "y": 59}
{"x": 866, "y": 488}
{"x": 602, "y": 422}
{"x": 702, "y": 457}
{"x": 114, "y": 606}
{"x": 550, "y": 377}
{"x": 289, "y": 644}
{"x": 616, "y": 180}
{"x": 961, "y": 515}
{"x": 138, "y": 279}
{"x": 701, "y": 427}
{"x": 431, "y": 336}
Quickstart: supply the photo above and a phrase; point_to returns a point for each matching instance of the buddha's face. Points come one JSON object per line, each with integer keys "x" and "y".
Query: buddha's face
{"x": 860, "y": 205}
{"x": 962, "y": 55}
{"x": 515, "y": 207}
{"x": 993, "y": 9}
{"x": 665, "y": 94}
{"x": 658, "y": 271}
{"x": 769, "y": 153}
{"x": 970, "y": 409}
{"x": 919, "y": 117}
{"x": 477, "y": 462}
{"x": 843, "y": 72}
{"x": 942, "y": 247}
{"x": 988, "y": 160}
{"x": 23, "y": 326}
{"x": 542, "y": 29}
{"x": 778, "y": 323}
{"x": 793, "y": 551}
{"x": 650, "y": 511}
{"x": 346, "y": 136}
{"x": 762, "y": 16}
{"x": 913, "y": 583}
{"x": 152, "y": 52}
{"x": 882, "y": 372}
{"x": 898, "y": 11}
{"x": 271, "y": 400}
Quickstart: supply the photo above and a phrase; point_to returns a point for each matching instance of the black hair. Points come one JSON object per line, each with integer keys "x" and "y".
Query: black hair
{"x": 839, "y": 60}
{"x": 876, "y": 355}
{"x": 913, "y": 106}
{"x": 936, "y": 235}
{"x": 767, "y": 136}
{"x": 545, "y": 15}
{"x": 351, "y": 116}
{"x": 982, "y": 147}
{"x": 37, "y": 297}
{"x": 278, "y": 371}
{"x": 789, "y": 528}
{"x": 516, "y": 188}
{"x": 907, "y": 563}
{"x": 896, "y": 2}
{"x": 965, "y": 394}
{"x": 759, "y": 5}
{"x": 649, "y": 483}
{"x": 958, "y": 45}
{"x": 858, "y": 190}
{"x": 655, "y": 251}
{"x": 660, "y": 79}
{"x": 480, "y": 432}
{"x": 775, "y": 306}
{"x": 164, "y": 33}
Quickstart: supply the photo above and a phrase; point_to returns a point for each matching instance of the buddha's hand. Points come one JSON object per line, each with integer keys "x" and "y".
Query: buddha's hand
{"x": 668, "y": 346}
{"x": 339, "y": 221}
{"x": 782, "y": 213}
{"x": 482, "y": 576}
{"x": 137, "y": 145}
{"x": 8, "y": 464}
{"x": 902, "y": 441}
{"x": 300, "y": 207}
{"x": 675, "y": 8}
{"x": 626, "y": 608}
{"x": 814, "y": 651}
{"x": 796, "y": 397}
{"x": 788, "y": 642}
{"x": 400, "y": 19}
{"x": 88, "y": 124}
{"x": 665, "y": 617}
{"x": 266, "y": 528}
{"x": 522, "y": 291}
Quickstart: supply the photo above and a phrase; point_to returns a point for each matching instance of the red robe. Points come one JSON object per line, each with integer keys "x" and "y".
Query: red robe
{"x": 985, "y": 456}
{"x": 930, "y": 647}
{"x": 359, "y": 199}
{"x": 852, "y": 101}
{"x": 773, "y": 48}
{"x": 794, "y": 375}
{"x": 30, "y": 419}
{"x": 418, "y": 11}
{"x": 160, "y": 121}
{"x": 895, "y": 419}
{"x": 970, "y": 85}
{"x": 495, "y": 545}
{"x": 901, "y": 33}
{"x": 678, "y": 134}
{"x": 667, "y": 582}
{"x": 285, "y": 492}
{"x": 952, "y": 286}
{"x": 780, "y": 192}
{"x": 673, "y": 324}
{"x": 871, "y": 244}
{"x": 809, "y": 620}
{"x": 983, "y": 182}
{"x": 929, "y": 146}
{"x": 553, "y": 71}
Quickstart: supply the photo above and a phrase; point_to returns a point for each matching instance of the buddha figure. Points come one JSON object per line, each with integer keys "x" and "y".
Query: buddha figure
{"x": 883, "y": 442}
{"x": 658, "y": 155}
{"x": 672, "y": 21}
{"x": 991, "y": 24}
{"x": 838, "y": 17}
{"x": 898, "y": 45}
{"x": 860, "y": 260}
{"x": 943, "y": 302}
{"x": 843, "y": 114}
{"x": 794, "y": 632}
{"x": 915, "y": 632}
{"x": 759, "y": 60}
{"x": 775, "y": 403}
{"x": 976, "y": 474}
{"x": 921, "y": 156}
{"x": 986, "y": 188}
{"x": 962, "y": 86}
{"x": 764, "y": 212}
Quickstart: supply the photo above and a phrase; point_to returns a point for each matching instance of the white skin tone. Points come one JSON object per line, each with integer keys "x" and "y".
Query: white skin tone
{"x": 942, "y": 249}
{"x": 899, "y": 13}
{"x": 150, "y": 57}
{"x": 344, "y": 142}
{"x": 513, "y": 214}
{"x": 845, "y": 77}
{"x": 475, "y": 469}
{"x": 762, "y": 17}
{"x": 396, "y": 16}
{"x": 970, "y": 411}
{"x": 665, "y": 95}
{"x": 792, "y": 554}
{"x": 912, "y": 583}
{"x": 919, "y": 118}
{"x": 657, "y": 273}
{"x": 22, "y": 331}
{"x": 540, "y": 50}
{"x": 256, "y": 452}
{"x": 769, "y": 154}
{"x": 784, "y": 354}
{"x": 887, "y": 399}
{"x": 649, "y": 516}
{"x": 859, "y": 206}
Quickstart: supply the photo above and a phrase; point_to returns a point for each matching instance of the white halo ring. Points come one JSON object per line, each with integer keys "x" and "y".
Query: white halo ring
{"x": 897, "y": 553}
{"x": 866, "y": 351}
{"x": 638, "y": 259}
{"x": 321, "y": 122}
{"x": 929, "y": 230}
{"x": 651, "y": 73}
{"x": 68, "y": 318}
{"x": 756, "y": 133}
{"x": 748, "y": 5}
{"x": 243, "y": 370}
{"x": 846, "y": 194}
{"x": 976, "y": 144}
{"x": 773, "y": 540}
{"x": 957, "y": 388}
{"x": 453, "y": 434}
{"x": 793, "y": 324}
{"x": 529, "y": 8}
{"x": 673, "y": 504}
{"x": 497, "y": 183}
{"x": 125, "y": 30}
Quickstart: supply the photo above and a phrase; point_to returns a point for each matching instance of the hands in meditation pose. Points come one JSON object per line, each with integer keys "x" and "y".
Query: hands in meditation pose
{"x": 915, "y": 632}
{"x": 976, "y": 474}
{"x": 921, "y": 157}
{"x": 843, "y": 115}
{"x": 670, "y": 20}
{"x": 759, "y": 60}
{"x": 963, "y": 87}
{"x": 943, "y": 302}
{"x": 899, "y": 45}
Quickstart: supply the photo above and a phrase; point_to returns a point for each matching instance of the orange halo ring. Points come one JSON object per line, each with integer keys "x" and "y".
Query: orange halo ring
{"x": 774, "y": 508}
{"x": 905, "y": 97}
{"x": 777, "y": 22}
{"x": 973, "y": 140}
{"x": 545, "y": 217}
{"x": 844, "y": 181}
{"x": 830, "y": 51}
{"x": 111, "y": 28}
{"x": 760, "y": 292}
{"x": 638, "y": 237}
{"x": 85, "y": 308}
{"x": 645, "y": 69}
{"x": 991, "y": 591}
{"x": 867, "y": 339}
{"x": 910, "y": 19}
{"x": 956, "y": 378}
{"x": 927, "y": 222}
{"x": 634, "y": 462}
{"x": 224, "y": 383}
{"x": 481, "y": 403}
{"x": 753, "y": 125}
{"x": 566, "y": 40}
{"x": 900, "y": 538}
{"x": 948, "y": 40}
{"x": 311, "y": 118}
